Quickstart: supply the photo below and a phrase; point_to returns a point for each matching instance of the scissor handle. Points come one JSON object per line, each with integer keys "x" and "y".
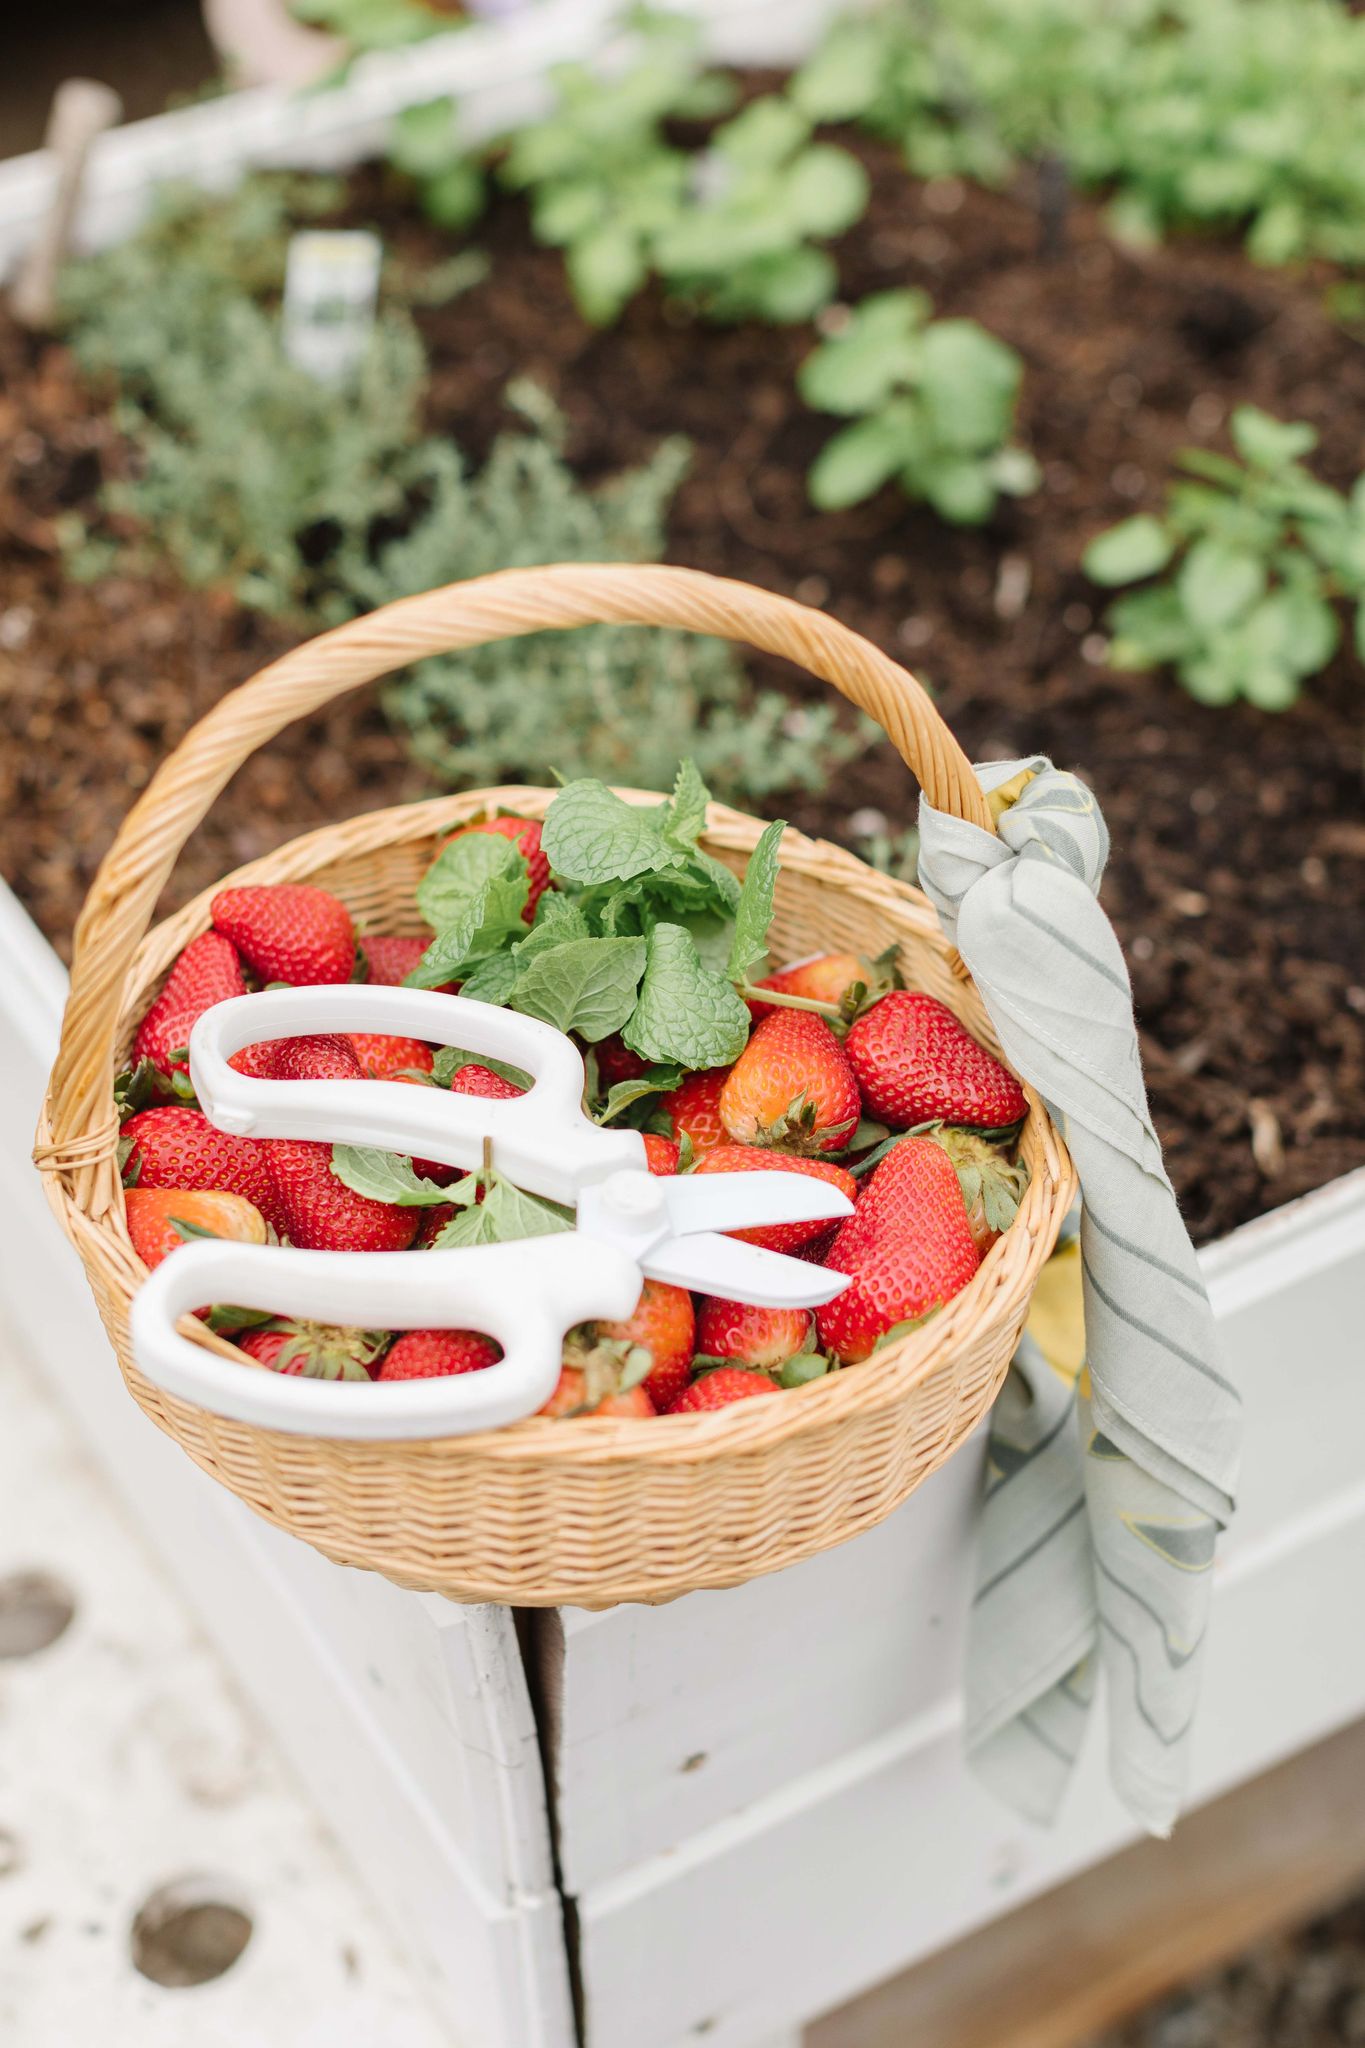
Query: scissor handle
{"x": 541, "y": 1140}
{"x": 525, "y": 1294}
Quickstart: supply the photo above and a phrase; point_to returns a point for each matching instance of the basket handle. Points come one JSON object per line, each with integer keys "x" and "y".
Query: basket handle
{"x": 513, "y": 602}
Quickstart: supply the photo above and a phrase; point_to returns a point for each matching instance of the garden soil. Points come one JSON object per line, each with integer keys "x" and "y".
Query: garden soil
{"x": 1237, "y": 880}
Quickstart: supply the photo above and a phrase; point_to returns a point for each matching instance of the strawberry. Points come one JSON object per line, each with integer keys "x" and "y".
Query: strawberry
{"x": 430, "y": 1354}
{"x": 470, "y": 1080}
{"x": 761, "y": 1337}
{"x": 916, "y": 1063}
{"x": 662, "y": 1156}
{"x": 840, "y": 979}
{"x": 383, "y": 1058}
{"x": 207, "y": 972}
{"x": 314, "y": 1351}
{"x": 778, "y": 1237}
{"x": 321, "y": 1213}
{"x": 434, "y": 1219}
{"x": 574, "y": 1397}
{"x": 662, "y": 1325}
{"x": 718, "y": 1389}
{"x": 524, "y": 833}
{"x": 153, "y": 1214}
{"x": 288, "y": 931}
{"x": 992, "y": 1185}
{"x": 792, "y": 1087}
{"x": 616, "y": 1062}
{"x": 390, "y": 961}
{"x": 324, "y": 1056}
{"x": 908, "y": 1248}
{"x": 177, "y": 1147}
{"x": 694, "y": 1107}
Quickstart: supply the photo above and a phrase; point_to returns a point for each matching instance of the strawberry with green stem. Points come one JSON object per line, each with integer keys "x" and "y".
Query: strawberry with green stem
{"x": 792, "y": 1087}
{"x": 719, "y": 1389}
{"x": 314, "y": 1351}
{"x": 208, "y": 971}
{"x": 908, "y": 1248}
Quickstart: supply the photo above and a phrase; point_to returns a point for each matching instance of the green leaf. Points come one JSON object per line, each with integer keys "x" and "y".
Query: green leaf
{"x": 389, "y": 1177}
{"x": 583, "y": 985}
{"x": 825, "y": 191}
{"x": 1218, "y": 584}
{"x": 461, "y": 870}
{"x": 1267, "y": 442}
{"x": 606, "y": 268}
{"x": 1149, "y": 628}
{"x": 490, "y": 980}
{"x": 1124, "y": 553}
{"x": 842, "y": 79}
{"x": 450, "y": 1058}
{"x": 1015, "y": 472}
{"x": 1212, "y": 678}
{"x": 785, "y": 289}
{"x": 969, "y": 381}
{"x": 804, "y": 1367}
{"x": 655, "y": 1081}
{"x": 422, "y": 139}
{"x": 960, "y": 488}
{"x": 592, "y": 835}
{"x": 685, "y": 817}
{"x": 685, "y": 1014}
{"x": 859, "y": 460}
{"x": 878, "y": 350}
{"x": 505, "y": 1213}
{"x": 749, "y": 945}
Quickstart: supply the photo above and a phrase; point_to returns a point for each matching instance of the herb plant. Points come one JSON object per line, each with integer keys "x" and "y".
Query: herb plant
{"x": 931, "y": 403}
{"x": 1258, "y": 550}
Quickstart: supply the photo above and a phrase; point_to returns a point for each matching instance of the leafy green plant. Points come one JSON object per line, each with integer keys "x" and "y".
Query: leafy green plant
{"x": 762, "y": 196}
{"x": 1225, "y": 113}
{"x": 932, "y": 404}
{"x": 1258, "y": 552}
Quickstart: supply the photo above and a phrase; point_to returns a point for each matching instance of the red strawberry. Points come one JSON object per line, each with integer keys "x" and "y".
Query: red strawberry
{"x": 661, "y": 1154}
{"x": 321, "y": 1213}
{"x": 761, "y": 1337}
{"x": 695, "y": 1109}
{"x": 435, "y": 1219}
{"x": 153, "y": 1213}
{"x": 662, "y": 1323}
{"x": 477, "y": 1080}
{"x": 719, "y": 1388}
{"x": 324, "y": 1056}
{"x": 616, "y": 1062}
{"x": 574, "y": 1397}
{"x": 430, "y": 1354}
{"x": 778, "y": 1237}
{"x": 383, "y": 1058}
{"x": 524, "y": 833}
{"x": 792, "y": 1087}
{"x": 177, "y": 1147}
{"x": 207, "y": 972}
{"x": 915, "y": 1062}
{"x": 315, "y": 1351}
{"x": 825, "y": 978}
{"x": 908, "y": 1248}
{"x": 390, "y": 961}
{"x": 288, "y": 931}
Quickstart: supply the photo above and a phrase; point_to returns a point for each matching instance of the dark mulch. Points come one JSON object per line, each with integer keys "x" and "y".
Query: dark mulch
{"x": 1238, "y": 875}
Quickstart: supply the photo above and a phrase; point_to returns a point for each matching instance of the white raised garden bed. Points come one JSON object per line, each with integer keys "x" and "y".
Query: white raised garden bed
{"x": 760, "y": 1800}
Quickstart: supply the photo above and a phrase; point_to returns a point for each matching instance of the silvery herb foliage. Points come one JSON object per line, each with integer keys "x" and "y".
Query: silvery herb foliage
{"x": 1253, "y": 557}
{"x": 931, "y": 404}
{"x": 1237, "y": 114}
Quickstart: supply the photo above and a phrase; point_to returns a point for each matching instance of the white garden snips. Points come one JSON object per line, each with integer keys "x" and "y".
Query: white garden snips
{"x": 630, "y": 1224}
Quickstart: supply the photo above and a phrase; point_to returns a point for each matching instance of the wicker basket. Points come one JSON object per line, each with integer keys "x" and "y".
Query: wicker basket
{"x": 547, "y": 1511}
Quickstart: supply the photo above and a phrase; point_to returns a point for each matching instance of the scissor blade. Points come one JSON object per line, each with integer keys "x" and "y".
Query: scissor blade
{"x": 712, "y": 1264}
{"x": 737, "y": 1201}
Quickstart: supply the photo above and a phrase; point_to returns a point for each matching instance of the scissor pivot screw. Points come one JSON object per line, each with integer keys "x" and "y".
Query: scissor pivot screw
{"x": 635, "y": 1197}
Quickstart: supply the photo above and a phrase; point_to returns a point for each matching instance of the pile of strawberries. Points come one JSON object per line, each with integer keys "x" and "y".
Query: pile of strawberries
{"x": 876, "y": 1089}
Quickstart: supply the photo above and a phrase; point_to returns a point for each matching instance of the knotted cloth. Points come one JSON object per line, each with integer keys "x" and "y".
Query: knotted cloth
{"x": 1104, "y": 1495}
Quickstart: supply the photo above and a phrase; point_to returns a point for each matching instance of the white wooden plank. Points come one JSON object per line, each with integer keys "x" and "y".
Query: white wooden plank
{"x": 428, "y": 1777}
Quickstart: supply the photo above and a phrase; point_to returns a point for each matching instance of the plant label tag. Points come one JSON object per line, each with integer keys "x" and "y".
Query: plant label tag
{"x": 331, "y": 286}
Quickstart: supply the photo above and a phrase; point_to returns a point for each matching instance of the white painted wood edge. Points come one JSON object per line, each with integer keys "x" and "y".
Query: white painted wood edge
{"x": 495, "y": 70}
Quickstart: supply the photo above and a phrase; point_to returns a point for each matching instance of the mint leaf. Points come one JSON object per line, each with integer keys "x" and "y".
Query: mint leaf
{"x": 505, "y": 1213}
{"x": 754, "y": 913}
{"x": 557, "y": 918}
{"x": 389, "y": 1177}
{"x": 461, "y": 870}
{"x": 684, "y": 818}
{"x": 490, "y": 980}
{"x": 583, "y": 985}
{"x": 686, "y": 1014}
{"x": 591, "y": 835}
{"x": 656, "y": 1081}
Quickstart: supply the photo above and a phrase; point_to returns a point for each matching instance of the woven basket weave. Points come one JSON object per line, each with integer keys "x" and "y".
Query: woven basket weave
{"x": 552, "y": 1511}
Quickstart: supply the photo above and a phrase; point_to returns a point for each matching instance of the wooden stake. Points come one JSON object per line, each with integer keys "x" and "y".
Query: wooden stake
{"x": 81, "y": 110}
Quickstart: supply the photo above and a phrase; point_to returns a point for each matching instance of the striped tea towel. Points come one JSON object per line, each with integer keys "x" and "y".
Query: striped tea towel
{"x": 1105, "y": 1493}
